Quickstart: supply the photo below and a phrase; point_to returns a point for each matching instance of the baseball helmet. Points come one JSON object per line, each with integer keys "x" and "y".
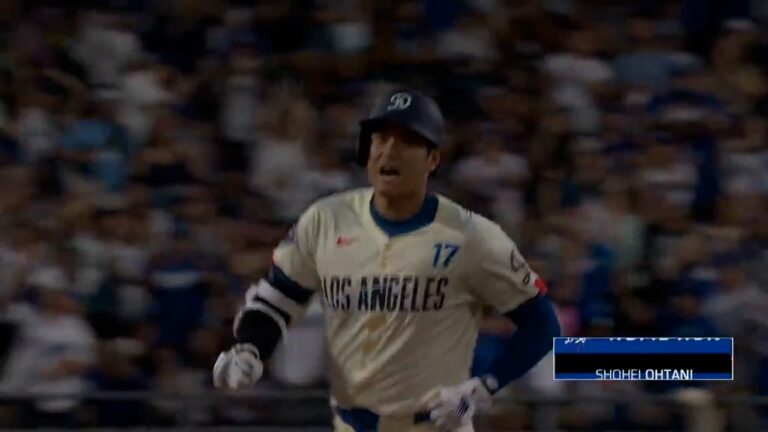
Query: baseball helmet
{"x": 411, "y": 109}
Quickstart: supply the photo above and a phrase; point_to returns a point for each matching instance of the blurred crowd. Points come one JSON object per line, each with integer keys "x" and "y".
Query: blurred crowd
{"x": 153, "y": 152}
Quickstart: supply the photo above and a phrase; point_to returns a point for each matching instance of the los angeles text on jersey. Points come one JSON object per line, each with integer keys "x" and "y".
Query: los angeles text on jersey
{"x": 385, "y": 293}
{"x": 645, "y": 374}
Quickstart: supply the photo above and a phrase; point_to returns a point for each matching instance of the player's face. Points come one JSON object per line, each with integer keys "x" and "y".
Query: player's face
{"x": 400, "y": 161}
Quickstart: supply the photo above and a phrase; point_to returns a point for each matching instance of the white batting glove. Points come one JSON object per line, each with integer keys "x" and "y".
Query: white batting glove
{"x": 238, "y": 368}
{"x": 453, "y": 407}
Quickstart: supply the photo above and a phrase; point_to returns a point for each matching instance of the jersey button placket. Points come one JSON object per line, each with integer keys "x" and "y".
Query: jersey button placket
{"x": 385, "y": 255}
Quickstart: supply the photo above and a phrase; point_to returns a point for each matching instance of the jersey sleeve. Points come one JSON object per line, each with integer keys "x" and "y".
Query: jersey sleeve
{"x": 499, "y": 276}
{"x": 294, "y": 257}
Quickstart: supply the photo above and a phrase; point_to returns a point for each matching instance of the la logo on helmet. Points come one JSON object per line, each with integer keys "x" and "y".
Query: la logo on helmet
{"x": 399, "y": 101}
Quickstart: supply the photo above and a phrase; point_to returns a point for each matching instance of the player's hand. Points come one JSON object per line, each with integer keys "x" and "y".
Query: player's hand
{"x": 238, "y": 368}
{"x": 453, "y": 407}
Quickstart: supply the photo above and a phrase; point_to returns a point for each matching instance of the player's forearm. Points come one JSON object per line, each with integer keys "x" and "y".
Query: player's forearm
{"x": 536, "y": 325}
{"x": 452, "y": 407}
{"x": 270, "y": 307}
{"x": 260, "y": 330}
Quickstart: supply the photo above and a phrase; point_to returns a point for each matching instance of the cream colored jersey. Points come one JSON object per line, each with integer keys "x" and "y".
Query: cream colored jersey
{"x": 402, "y": 312}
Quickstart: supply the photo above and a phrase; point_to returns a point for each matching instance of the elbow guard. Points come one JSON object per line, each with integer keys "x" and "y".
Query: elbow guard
{"x": 270, "y": 307}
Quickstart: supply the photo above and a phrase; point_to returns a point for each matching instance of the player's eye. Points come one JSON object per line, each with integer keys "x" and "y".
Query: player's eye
{"x": 381, "y": 138}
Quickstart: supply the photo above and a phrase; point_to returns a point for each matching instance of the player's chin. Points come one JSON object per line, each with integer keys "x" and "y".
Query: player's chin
{"x": 388, "y": 186}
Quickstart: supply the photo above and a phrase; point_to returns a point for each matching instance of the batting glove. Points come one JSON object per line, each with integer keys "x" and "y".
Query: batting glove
{"x": 453, "y": 407}
{"x": 238, "y": 368}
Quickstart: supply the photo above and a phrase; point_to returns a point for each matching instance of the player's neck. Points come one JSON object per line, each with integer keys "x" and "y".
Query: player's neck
{"x": 398, "y": 208}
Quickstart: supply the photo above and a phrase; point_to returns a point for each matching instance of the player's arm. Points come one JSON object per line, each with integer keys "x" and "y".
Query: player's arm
{"x": 271, "y": 305}
{"x": 500, "y": 277}
{"x": 506, "y": 281}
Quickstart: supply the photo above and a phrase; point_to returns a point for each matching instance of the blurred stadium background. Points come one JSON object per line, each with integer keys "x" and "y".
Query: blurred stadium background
{"x": 154, "y": 151}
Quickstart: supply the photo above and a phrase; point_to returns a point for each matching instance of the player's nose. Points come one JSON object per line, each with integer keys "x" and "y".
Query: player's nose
{"x": 390, "y": 145}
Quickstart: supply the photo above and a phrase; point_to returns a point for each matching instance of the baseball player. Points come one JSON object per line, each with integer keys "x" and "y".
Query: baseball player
{"x": 403, "y": 275}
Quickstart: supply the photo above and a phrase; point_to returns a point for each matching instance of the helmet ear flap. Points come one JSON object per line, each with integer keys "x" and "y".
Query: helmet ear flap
{"x": 364, "y": 145}
{"x": 362, "y": 156}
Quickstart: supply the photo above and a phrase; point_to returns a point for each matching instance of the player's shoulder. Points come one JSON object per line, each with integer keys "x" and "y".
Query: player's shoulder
{"x": 454, "y": 215}
{"x": 471, "y": 224}
{"x": 340, "y": 203}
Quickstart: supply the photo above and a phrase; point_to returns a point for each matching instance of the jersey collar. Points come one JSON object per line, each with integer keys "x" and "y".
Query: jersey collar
{"x": 424, "y": 217}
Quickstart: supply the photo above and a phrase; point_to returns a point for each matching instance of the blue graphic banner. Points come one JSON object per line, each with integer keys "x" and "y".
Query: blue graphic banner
{"x": 643, "y": 359}
{"x": 566, "y": 345}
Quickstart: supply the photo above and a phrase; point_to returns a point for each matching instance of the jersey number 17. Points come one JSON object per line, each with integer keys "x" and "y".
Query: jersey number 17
{"x": 444, "y": 253}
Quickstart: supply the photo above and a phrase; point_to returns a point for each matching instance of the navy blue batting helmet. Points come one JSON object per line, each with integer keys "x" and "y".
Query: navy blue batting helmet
{"x": 411, "y": 109}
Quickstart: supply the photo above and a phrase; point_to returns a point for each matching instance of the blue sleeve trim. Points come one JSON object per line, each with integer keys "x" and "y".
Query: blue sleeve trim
{"x": 292, "y": 289}
{"x": 532, "y": 310}
{"x": 537, "y": 324}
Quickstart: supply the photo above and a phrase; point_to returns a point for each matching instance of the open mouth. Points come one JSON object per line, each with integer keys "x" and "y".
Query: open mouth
{"x": 389, "y": 172}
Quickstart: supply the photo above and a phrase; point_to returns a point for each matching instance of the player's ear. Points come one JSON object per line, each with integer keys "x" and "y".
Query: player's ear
{"x": 433, "y": 159}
